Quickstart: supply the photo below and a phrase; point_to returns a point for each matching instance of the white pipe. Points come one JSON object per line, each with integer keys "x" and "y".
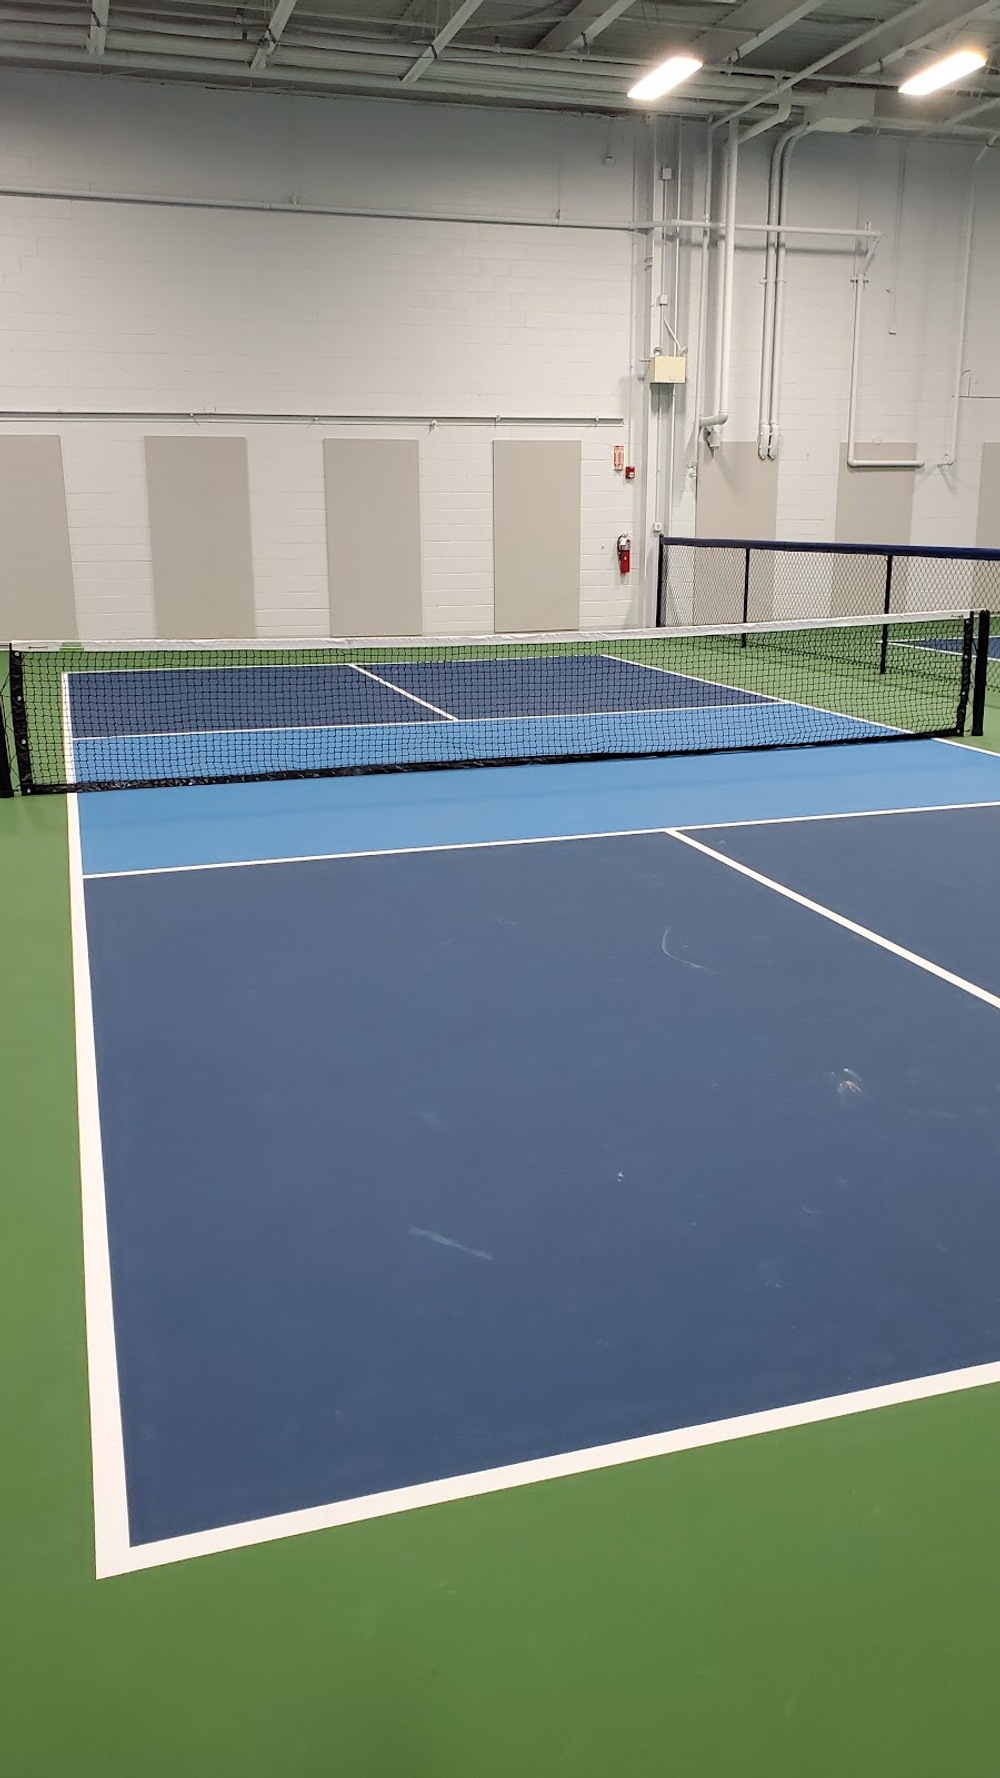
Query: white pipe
{"x": 963, "y": 309}
{"x": 767, "y": 319}
{"x": 721, "y": 282}
{"x": 699, "y": 364}
{"x": 787, "y": 148}
{"x": 780, "y": 114}
{"x": 853, "y": 460}
{"x": 766, "y": 228}
{"x": 666, "y": 514}
{"x": 725, "y": 330}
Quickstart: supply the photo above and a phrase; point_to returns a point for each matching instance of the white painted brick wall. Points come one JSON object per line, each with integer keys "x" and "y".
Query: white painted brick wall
{"x": 110, "y": 307}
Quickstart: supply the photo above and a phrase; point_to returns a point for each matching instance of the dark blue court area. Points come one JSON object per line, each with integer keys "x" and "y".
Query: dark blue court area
{"x": 428, "y": 1163}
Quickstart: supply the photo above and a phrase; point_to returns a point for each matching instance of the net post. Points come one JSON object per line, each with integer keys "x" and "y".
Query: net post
{"x": 6, "y": 776}
{"x": 886, "y": 607}
{"x": 980, "y": 673}
{"x": 19, "y": 722}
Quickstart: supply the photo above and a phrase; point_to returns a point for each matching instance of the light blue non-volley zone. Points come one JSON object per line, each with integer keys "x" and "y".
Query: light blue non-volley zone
{"x": 239, "y": 721}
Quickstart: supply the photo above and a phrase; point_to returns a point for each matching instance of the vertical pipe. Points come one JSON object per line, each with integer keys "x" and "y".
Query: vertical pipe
{"x": 724, "y": 315}
{"x": 702, "y": 304}
{"x": 788, "y": 146}
{"x": 667, "y": 516}
{"x": 982, "y": 667}
{"x": 886, "y": 608}
{"x": 963, "y": 309}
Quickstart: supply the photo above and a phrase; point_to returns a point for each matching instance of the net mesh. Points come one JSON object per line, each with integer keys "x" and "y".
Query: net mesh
{"x": 100, "y": 718}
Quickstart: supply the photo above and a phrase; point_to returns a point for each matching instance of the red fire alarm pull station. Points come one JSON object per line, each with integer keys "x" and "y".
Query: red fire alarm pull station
{"x": 630, "y": 472}
{"x": 624, "y": 548}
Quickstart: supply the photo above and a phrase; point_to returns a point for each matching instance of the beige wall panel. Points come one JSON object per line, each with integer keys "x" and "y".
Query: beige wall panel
{"x": 737, "y": 497}
{"x": 987, "y": 574}
{"x": 199, "y": 527}
{"x": 873, "y": 506}
{"x": 536, "y": 535}
{"x": 36, "y": 571}
{"x": 373, "y": 536}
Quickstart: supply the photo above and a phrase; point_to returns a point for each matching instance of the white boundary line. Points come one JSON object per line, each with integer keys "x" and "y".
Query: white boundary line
{"x": 111, "y": 1534}
{"x": 67, "y": 722}
{"x": 548, "y": 839}
{"x": 400, "y": 693}
{"x": 543, "y": 1469}
{"x": 846, "y": 815}
{"x": 817, "y": 907}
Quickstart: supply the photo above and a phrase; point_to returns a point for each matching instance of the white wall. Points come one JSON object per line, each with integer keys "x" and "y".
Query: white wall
{"x": 117, "y": 309}
{"x": 911, "y": 325}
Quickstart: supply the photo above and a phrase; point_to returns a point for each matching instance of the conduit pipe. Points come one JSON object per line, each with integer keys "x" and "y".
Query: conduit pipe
{"x": 699, "y": 363}
{"x": 963, "y": 309}
{"x": 724, "y": 312}
{"x": 774, "y": 266}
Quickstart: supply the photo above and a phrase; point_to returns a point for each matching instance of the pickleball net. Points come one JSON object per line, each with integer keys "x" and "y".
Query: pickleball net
{"x": 99, "y": 717}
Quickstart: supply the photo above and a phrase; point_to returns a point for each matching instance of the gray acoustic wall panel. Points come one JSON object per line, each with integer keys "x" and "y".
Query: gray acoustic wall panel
{"x": 536, "y": 534}
{"x": 873, "y": 506}
{"x": 986, "y": 575}
{"x": 36, "y": 571}
{"x": 737, "y": 497}
{"x": 199, "y": 527}
{"x": 373, "y": 536}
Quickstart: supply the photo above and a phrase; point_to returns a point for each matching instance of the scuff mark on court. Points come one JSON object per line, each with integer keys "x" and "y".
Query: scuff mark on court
{"x": 688, "y": 964}
{"x": 848, "y": 1083}
{"x": 446, "y": 1241}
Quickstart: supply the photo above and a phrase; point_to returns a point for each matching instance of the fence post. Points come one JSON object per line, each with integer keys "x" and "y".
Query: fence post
{"x": 886, "y": 607}
{"x": 661, "y": 583}
{"x": 981, "y": 670}
{"x": 746, "y": 593}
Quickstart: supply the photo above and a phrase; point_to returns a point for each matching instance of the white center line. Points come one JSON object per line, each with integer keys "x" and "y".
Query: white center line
{"x": 401, "y": 693}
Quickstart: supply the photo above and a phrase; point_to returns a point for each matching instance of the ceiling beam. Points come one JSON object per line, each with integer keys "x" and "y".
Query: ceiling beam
{"x": 98, "y": 27}
{"x": 272, "y": 35}
{"x": 458, "y": 16}
{"x": 742, "y": 29}
{"x": 749, "y": 26}
{"x": 898, "y": 36}
{"x": 584, "y": 24}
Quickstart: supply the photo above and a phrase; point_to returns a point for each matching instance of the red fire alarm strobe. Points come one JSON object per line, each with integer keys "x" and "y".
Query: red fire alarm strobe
{"x": 624, "y": 548}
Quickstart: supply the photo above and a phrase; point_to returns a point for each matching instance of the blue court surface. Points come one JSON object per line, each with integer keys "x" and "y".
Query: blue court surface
{"x": 184, "y": 722}
{"x": 458, "y": 1161}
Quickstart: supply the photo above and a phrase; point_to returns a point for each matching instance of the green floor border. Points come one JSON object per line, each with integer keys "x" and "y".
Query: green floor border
{"x": 808, "y": 1604}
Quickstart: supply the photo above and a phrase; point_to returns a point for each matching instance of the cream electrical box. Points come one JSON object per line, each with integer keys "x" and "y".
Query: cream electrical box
{"x": 667, "y": 370}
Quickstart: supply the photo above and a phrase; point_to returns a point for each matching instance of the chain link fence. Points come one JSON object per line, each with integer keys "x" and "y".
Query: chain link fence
{"x": 737, "y": 580}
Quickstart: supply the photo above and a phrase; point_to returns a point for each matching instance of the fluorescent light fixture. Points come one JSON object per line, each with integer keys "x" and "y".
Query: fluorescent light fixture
{"x": 664, "y": 78}
{"x": 944, "y": 73}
